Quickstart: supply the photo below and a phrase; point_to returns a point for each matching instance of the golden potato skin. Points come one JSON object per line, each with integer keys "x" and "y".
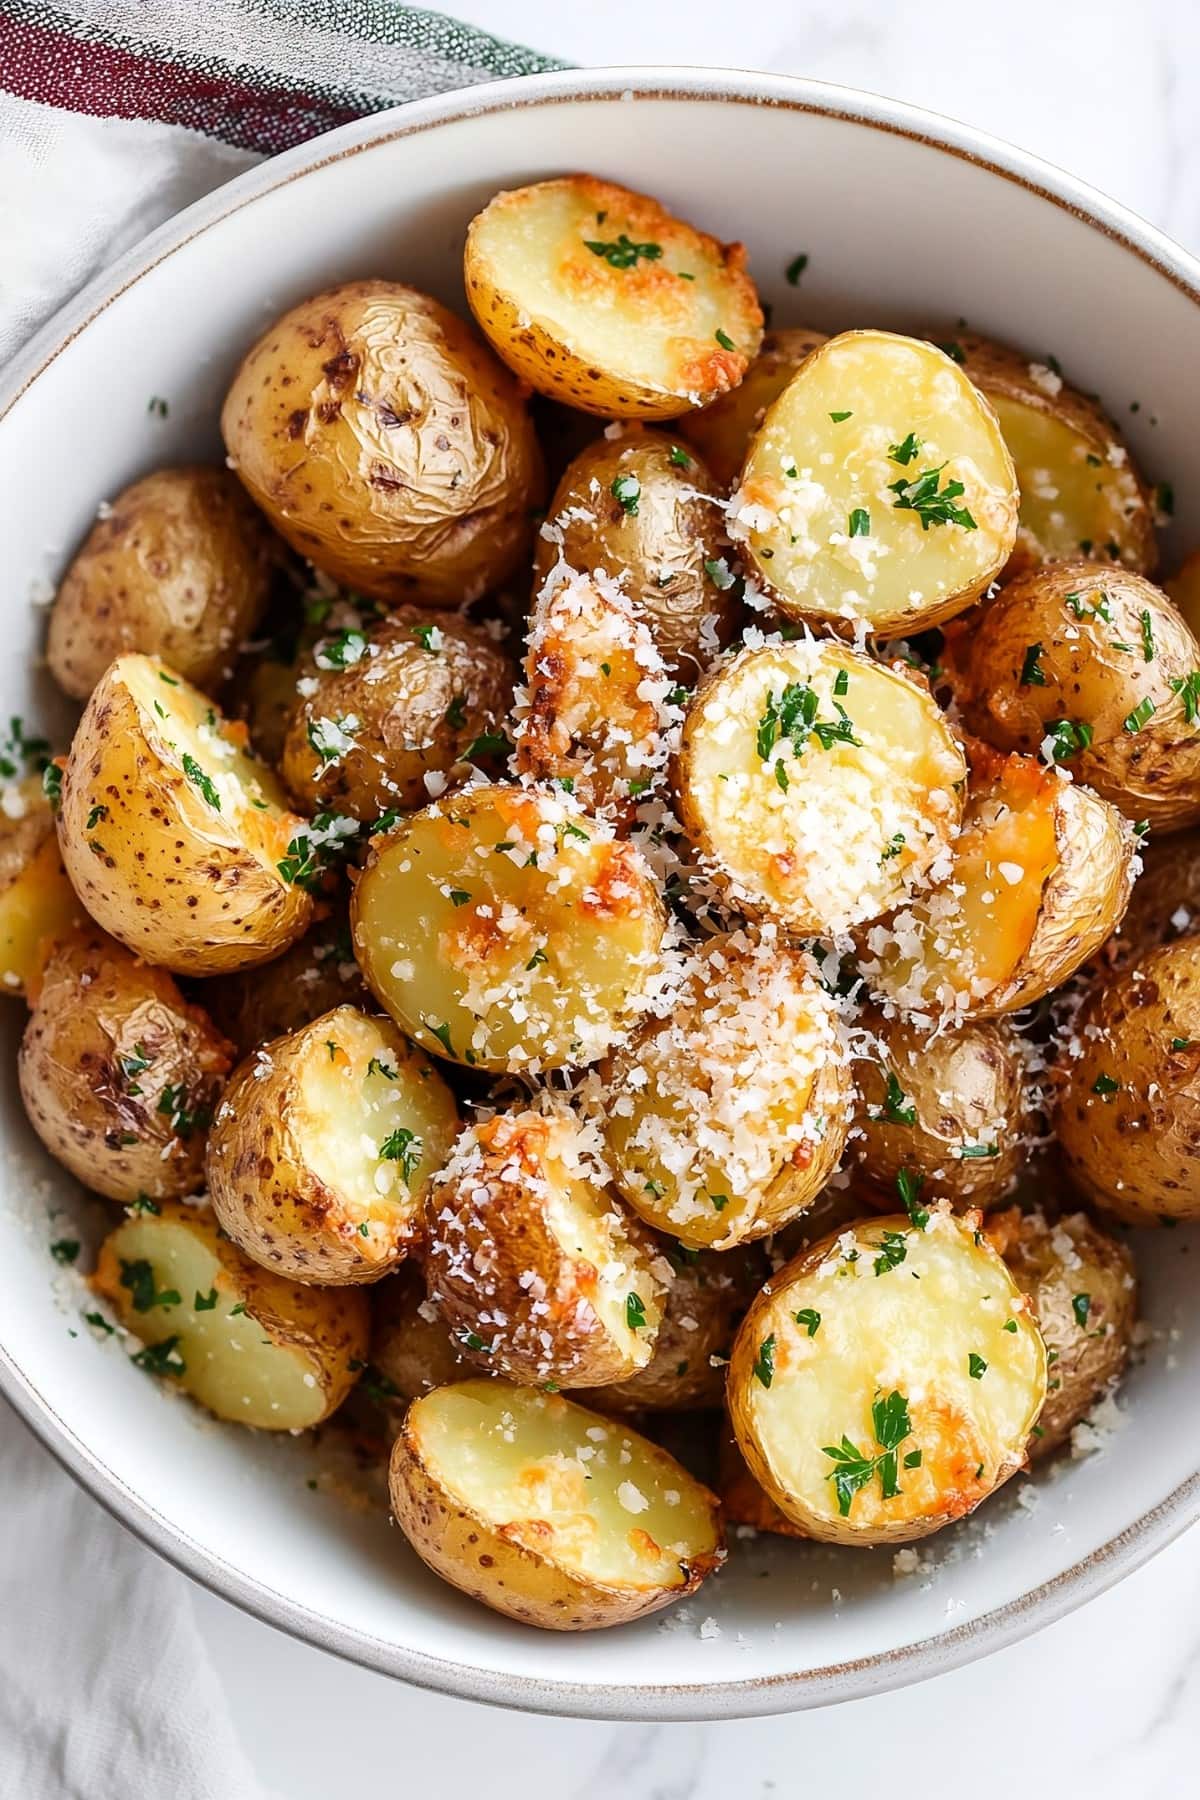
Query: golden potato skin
{"x": 387, "y": 445}
{"x": 1107, "y": 643}
{"x": 192, "y": 887}
{"x": 647, "y": 338}
{"x": 1084, "y": 1291}
{"x": 320, "y": 1334}
{"x": 1128, "y": 1115}
{"x": 278, "y": 997}
{"x": 743, "y": 1500}
{"x": 1183, "y": 589}
{"x": 287, "y": 1189}
{"x": 36, "y": 899}
{"x": 1023, "y": 392}
{"x": 722, "y": 431}
{"x": 926, "y": 1099}
{"x": 118, "y": 1072}
{"x": 429, "y": 693}
{"x": 511, "y": 1566}
{"x": 412, "y": 1346}
{"x": 1164, "y": 905}
{"x": 179, "y": 567}
{"x": 645, "y": 510}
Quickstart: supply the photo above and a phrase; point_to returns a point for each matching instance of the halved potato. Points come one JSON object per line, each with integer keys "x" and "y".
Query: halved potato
{"x": 324, "y": 1147}
{"x": 413, "y": 1347}
{"x": 279, "y": 997}
{"x": 793, "y": 748}
{"x": 722, "y": 431}
{"x": 641, "y": 509}
{"x": 878, "y": 487}
{"x": 1084, "y": 1291}
{"x": 548, "y": 1512}
{"x": 874, "y": 1408}
{"x": 1081, "y": 494}
{"x": 172, "y": 834}
{"x": 1036, "y": 881}
{"x": 508, "y": 930}
{"x": 599, "y": 297}
{"x": 598, "y": 703}
{"x": 1095, "y": 670}
{"x": 949, "y": 1109}
{"x": 36, "y": 899}
{"x": 118, "y": 1072}
{"x": 726, "y": 1119}
{"x": 249, "y": 1345}
{"x": 531, "y": 1254}
{"x": 1128, "y": 1115}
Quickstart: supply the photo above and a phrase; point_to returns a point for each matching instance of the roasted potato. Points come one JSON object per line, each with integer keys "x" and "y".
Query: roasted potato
{"x": 598, "y": 297}
{"x": 249, "y": 1345}
{"x": 546, "y": 1511}
{"x": 179, "y": 566}
{"x": 700, "y": 1312}
{"x": 279, "y": 997}
{"x": 1036, "y": 881}
{"x": 533, "y": 1259}
{"x": 878, "y": 488}
{"x": 722, "y": 432}
{"x": 1096, "y": 670}
{"x": 1165, "y": 903}
{"x": 36, "y": 899}
{"x": 1081, "y": 494}
{"x": 598, "y": 706}
{"x": 387, "y": 445}
{"x": 413, "y": 1348}
{"x": 507, "y": 930}
{"x": 643, "y": 510}
{"x": 1183, "y": 589}
{"x": 725, "y": 1119}
{"x": 322, "y": 1151}
{"x": 118, "y": 1072}
{"x": 171, "y": 833}
{"x": 1084, "y": 1292}
{"x": 1128, "y": 1115}
{"x": 946, "y": 1109}
{"x": 394, "y": 715}
{"x": 793, "y": 747}
{"x": 743, "y": 1500}
{"x": 873, "y": 1408}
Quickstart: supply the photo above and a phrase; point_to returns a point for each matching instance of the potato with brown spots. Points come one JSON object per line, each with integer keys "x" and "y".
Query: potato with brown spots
{"x": 323, "y": 1149}
{"x": 394, "y": 713}
{"x": 175, "y": 838}
{"x": 1128, "y": 1115}
{"x": 413, "y": 1348}
{"x": 36, "y": 899}
{"x": 547, "y": 1512}
{"x": 598, "y": 297}
{"x": 179, "y": 566}
{"x": 1164, "y": 905}
{"x": 722, "y": 432}
{"x": 279, "y": 997}
{"x": 387, "y": 445}
{"x": 119, "y": 1073}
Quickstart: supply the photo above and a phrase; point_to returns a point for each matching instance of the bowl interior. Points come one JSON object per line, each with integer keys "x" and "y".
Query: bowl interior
{"x": 900, "y": 230}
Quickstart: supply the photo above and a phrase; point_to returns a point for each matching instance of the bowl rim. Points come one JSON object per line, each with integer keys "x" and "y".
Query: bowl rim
{"x": 700, "y": 1700}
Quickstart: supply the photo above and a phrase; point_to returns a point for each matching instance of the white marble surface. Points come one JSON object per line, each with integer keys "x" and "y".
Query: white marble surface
{"x": 1107, "y": 1701}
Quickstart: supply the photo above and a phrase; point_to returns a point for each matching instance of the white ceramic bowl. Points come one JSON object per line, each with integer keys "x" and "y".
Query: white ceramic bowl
{"x": 905, "y": 218}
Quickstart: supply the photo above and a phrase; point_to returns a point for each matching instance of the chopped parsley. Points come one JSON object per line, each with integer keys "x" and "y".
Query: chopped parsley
{"x": 199, "y": 779}
{"x": 795, "y": 269}
{"x": 173, "y": 1104}
{"x": 893, "y": 1250}
{"x": 488, "y": 743}
{"x": 133, "y": 1066}
{"x": 456, "y": 713}
{"x": 932, "y": 505}
{"x": 1141, "y": 715}
{"x": 1081, "y": 1306}
{"x": 793, "y": 718}
{"x": 161, "y": 1359}
{"x": 1188, "y": 686}
{"x": 725, "y": 341}
{"x": 720, "y": 1202}
{"x": 966, "y": 1151}
{"x": 764, "y": 1363}
{"x": 459, "y": 897}
{"x": 627, "y": 490}
{"x": 144, "y": 1292}
{"x": 442, "y": 1034}
{"x": 343, "y": 650}
{"x": 894, "y": 846}
{"x": 1105, "y": 1086}
{"x": 976, "y": 1366}
{"x": 909, "y": 1187}
{"x": 1032, "y": 674}
{"x": 810, "y": 1319}
{"x": 100, "y": 1322}
{"x": 859, "y": 523}
{"x": 853, "y": 1469}
{"x": 1066, "y": 738}
{"x": 679, "y": 458}
{"x": 205, "y": 1302}
{"x": 907, "y": 451}
{"x": 375, "y": 1067}
{"x": 1164, "y": 499}
{"x": 840, "y": 417}
{"x": 94, "y": 817}
{"x": 403, "y": 1147}
{"x": 954, "y": 351}
{"x": 65, "y": 1250}
{"x": 1098, "y": 608}
{"x": 635, "y": 1312}
{"x": 52, "y": 785}
{"x": 1147, "y": 637}
{"x": 896, "y": 1109}
{"x": 429, "y": 637}
{"x": 621, "y": 252}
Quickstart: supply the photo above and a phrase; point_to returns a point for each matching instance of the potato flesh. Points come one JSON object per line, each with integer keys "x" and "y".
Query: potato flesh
{"x": 809, "y": 479}
{"x": 722, "y": 432}
{"x": 883, "y": 1332}
{"x": 37, "y": 900}
{"x": 577, "y": 1489}
{"x": 1076, "y": 499}
{"x": 887, "y": 802}
{"x": 541, "y": 964}
{"x": 232, "y": 1365}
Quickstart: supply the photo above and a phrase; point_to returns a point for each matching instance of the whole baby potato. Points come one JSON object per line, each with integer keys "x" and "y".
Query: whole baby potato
{"x": 387, "y": 444}
{"x": 278, "y": 997}
{"x": 179, "y": 567}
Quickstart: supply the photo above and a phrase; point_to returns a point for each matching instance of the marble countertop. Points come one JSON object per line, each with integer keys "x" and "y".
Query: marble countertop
{"x": 1108, "y": 1701}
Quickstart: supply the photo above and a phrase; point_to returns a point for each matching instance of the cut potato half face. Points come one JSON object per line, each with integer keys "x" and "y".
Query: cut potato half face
{"x": 599, "y": 298}
{"x": 878, "y": 488}
{"x": 249, "y": 1345}
{"x": 172, "y": 834}
{"x": 874, "y": 1407}
{"x": 722, "y": 432}
{"x": 546, "y": 1511}
{"x": 726, "y": 1119}
{"x": 1038, "y": 879}
{"x": 37, "y": 900}
{"x": 532, "y": 1259}
{"x": 324, "y": 1146}
{"x": 818, "y": 784}
{"x": 506, "y": 930}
